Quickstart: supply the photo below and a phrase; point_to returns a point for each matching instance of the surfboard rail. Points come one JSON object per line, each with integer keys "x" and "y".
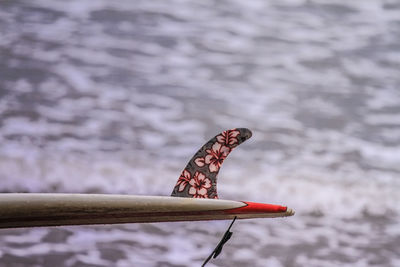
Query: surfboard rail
{"x": 46, "y": 209}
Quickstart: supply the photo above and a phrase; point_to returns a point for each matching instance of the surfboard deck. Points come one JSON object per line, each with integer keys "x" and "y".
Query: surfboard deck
{"x": 41, "y": 209}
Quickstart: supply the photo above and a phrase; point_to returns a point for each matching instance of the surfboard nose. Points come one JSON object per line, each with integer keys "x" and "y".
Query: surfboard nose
{"x": 290, "y": 212}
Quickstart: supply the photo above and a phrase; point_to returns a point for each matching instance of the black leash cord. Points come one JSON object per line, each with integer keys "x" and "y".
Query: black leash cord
{"x": 220, "y": 245}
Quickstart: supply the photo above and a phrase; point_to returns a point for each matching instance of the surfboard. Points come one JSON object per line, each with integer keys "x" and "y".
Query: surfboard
{"x": 28, "y": 209}
{"x": 193, "y": 198}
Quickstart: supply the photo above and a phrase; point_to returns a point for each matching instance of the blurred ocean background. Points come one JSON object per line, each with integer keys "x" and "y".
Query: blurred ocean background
{"x": 116, "y": 96}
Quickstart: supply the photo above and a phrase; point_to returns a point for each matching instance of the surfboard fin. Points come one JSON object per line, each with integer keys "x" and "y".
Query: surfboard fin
{"x": 199, "y": 178}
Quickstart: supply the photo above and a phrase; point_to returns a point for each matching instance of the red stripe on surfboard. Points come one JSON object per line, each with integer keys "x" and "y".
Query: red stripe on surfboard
{"x": 252, "y": 207}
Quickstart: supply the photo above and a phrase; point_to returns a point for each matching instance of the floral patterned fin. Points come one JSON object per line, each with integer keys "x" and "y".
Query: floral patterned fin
{"x": 199, "y": 178}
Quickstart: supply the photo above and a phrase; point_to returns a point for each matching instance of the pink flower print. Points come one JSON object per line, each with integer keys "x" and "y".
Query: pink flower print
{"x": 228, "y": 137}
{"x": 199, "y": 162}
{"x": 199, "y": 185}
{"x": 216, "y": 156}
{"x": 183, "y": 180}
